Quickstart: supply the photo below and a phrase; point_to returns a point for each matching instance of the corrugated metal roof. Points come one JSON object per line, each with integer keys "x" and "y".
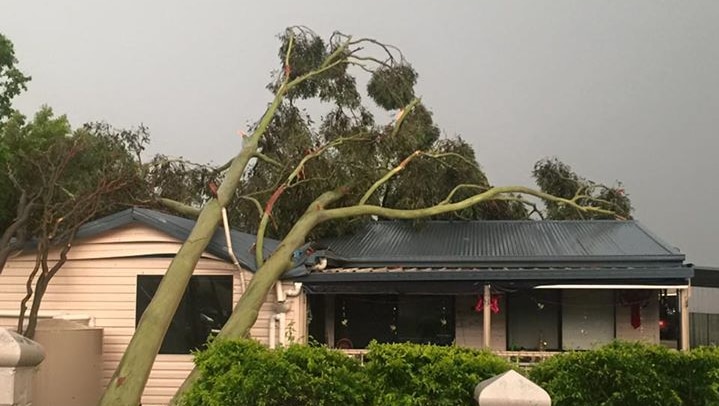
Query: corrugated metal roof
{"x": 451, "y": 244}
{"x": 180, "y": 228}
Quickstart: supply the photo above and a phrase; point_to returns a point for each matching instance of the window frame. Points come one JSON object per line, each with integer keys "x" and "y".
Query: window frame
{"x": 183, "y": 336}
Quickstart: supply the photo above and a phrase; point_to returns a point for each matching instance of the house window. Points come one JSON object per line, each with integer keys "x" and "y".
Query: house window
{"x": 422, "y": 319}
{"x": 533, "y": 320}
{"x": 204, "y": 308}
{"x": 587, "y": 318}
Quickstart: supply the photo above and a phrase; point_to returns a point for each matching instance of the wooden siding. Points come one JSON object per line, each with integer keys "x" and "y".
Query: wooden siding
{"x": 100, "y": 279}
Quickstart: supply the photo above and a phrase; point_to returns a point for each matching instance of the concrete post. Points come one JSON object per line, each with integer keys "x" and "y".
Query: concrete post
{"x": 510, "y": 389}
{"x": 18, "y": 358}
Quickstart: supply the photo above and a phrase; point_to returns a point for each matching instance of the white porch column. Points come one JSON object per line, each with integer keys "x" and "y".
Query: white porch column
{"x": 487, "y": 327}
{"x": 683, "y": 299}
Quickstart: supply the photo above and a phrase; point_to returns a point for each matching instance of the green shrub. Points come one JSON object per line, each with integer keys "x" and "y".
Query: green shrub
{"x": 245, "y": 373}
{"x": 697, "y": 377}
{"x": 428, "y": 375}
{"x": 631, "y": 374}
{"x": 239, "y": 373}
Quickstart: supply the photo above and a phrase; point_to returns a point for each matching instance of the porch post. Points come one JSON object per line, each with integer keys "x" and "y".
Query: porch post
{"x": 683, "y": 296}
{"x": 487, "y": 328}
{"x": 330, "y": 320}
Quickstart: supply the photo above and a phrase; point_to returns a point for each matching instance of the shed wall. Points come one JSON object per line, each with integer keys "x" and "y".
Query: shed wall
{"x": 100, "y": 279}
{"x": 704, "y": 300}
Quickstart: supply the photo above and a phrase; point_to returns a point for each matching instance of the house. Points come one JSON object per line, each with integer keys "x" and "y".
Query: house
{"x": 550, "y": 286}
{"x": 114, "y": 268}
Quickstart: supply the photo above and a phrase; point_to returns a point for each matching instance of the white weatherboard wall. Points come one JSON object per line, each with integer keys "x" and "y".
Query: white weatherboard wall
{"x": 100, "y": 280}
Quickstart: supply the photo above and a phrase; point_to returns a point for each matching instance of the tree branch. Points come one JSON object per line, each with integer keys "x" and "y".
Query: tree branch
{"x": 265, "y": 158}
{"x": 363, "y": 210}
{"x": 394, "y": 171}
{"x": 179, "y": 207}
{"x": 262, "y": 227}
{"x": 403, "y": 114}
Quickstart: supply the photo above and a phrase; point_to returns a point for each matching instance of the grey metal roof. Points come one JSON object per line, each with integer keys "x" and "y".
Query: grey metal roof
{"x": 179, "y": 227}
{"x": 501, "y": 243}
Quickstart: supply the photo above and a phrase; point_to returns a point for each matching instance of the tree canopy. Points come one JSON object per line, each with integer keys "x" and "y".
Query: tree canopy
{"x": 296, "y": 177}
{"x": 557, "y": 178}
{"x": 12, "y": 80}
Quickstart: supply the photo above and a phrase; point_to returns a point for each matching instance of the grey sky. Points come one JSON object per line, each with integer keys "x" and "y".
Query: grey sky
{"x": 617, "y": 89}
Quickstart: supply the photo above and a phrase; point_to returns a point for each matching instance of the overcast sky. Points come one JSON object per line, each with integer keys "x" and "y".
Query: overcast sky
{"x": 620, "y": 90}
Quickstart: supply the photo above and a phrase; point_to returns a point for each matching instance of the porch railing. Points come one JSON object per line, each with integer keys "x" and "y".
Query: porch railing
{"x": 524, "y": 359}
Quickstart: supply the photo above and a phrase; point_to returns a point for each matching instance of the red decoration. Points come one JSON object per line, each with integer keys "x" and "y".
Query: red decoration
{"x": 636, "y": 316}
{"x": 493, "y": 304}
{"x": 636, "y": 300}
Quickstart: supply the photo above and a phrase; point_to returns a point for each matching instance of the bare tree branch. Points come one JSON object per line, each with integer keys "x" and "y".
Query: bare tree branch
{"x": 179, "y": 207}
{"x": 265, "y": 158}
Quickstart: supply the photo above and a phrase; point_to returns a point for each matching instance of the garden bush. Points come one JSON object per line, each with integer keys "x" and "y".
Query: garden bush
{"x": 245, "y": 373}
{"x": 428, "y": 375}
{"x": 631, "y": 374}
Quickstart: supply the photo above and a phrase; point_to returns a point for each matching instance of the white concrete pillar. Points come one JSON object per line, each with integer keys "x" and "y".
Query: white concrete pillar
{"x": 18, "y": 358}
{"x": 510, "y": 389}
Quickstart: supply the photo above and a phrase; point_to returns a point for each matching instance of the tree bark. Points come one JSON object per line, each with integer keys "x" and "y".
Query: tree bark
{"x": 248, "y": 307}
{"x": 127, "y": 383}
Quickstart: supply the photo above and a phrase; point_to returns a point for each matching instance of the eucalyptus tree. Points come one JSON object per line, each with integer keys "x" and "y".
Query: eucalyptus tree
{"x": 346, "y": 167}
{"x": 557, "y": 178}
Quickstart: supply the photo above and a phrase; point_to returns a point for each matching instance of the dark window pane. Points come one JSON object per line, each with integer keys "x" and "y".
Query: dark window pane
{"x": 533, "y": 320}
{"x": 204, "y": 308}
{"x": 360, "y": 319}
{"x": 424, "y": 319}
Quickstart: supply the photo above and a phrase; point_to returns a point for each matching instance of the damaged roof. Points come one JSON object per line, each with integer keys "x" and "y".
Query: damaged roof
{"x": 483, "y": 243}
{"x": 391, "y": 256}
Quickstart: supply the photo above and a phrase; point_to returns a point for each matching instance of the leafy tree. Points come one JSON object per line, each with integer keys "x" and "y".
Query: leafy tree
{"x": 557, "y": 178}
{"x": 310, "y": 68}
{"x": 55, "y": 181}
{"x": 12, "y": 80}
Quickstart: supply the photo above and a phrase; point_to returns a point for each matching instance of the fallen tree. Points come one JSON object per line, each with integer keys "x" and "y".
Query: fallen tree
{"x": 312, "y": 68}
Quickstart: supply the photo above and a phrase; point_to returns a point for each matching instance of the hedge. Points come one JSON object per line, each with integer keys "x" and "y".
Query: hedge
{"x": 628, "y": 374}
{"x": 412, "y": 374}
{"x": 243, "y": 373}
{"x": 631, "y": 374}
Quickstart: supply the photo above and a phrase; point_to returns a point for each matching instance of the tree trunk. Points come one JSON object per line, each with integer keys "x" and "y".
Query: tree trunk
{"x": 240, "y": 322}
{"x": 129, "y": 379}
